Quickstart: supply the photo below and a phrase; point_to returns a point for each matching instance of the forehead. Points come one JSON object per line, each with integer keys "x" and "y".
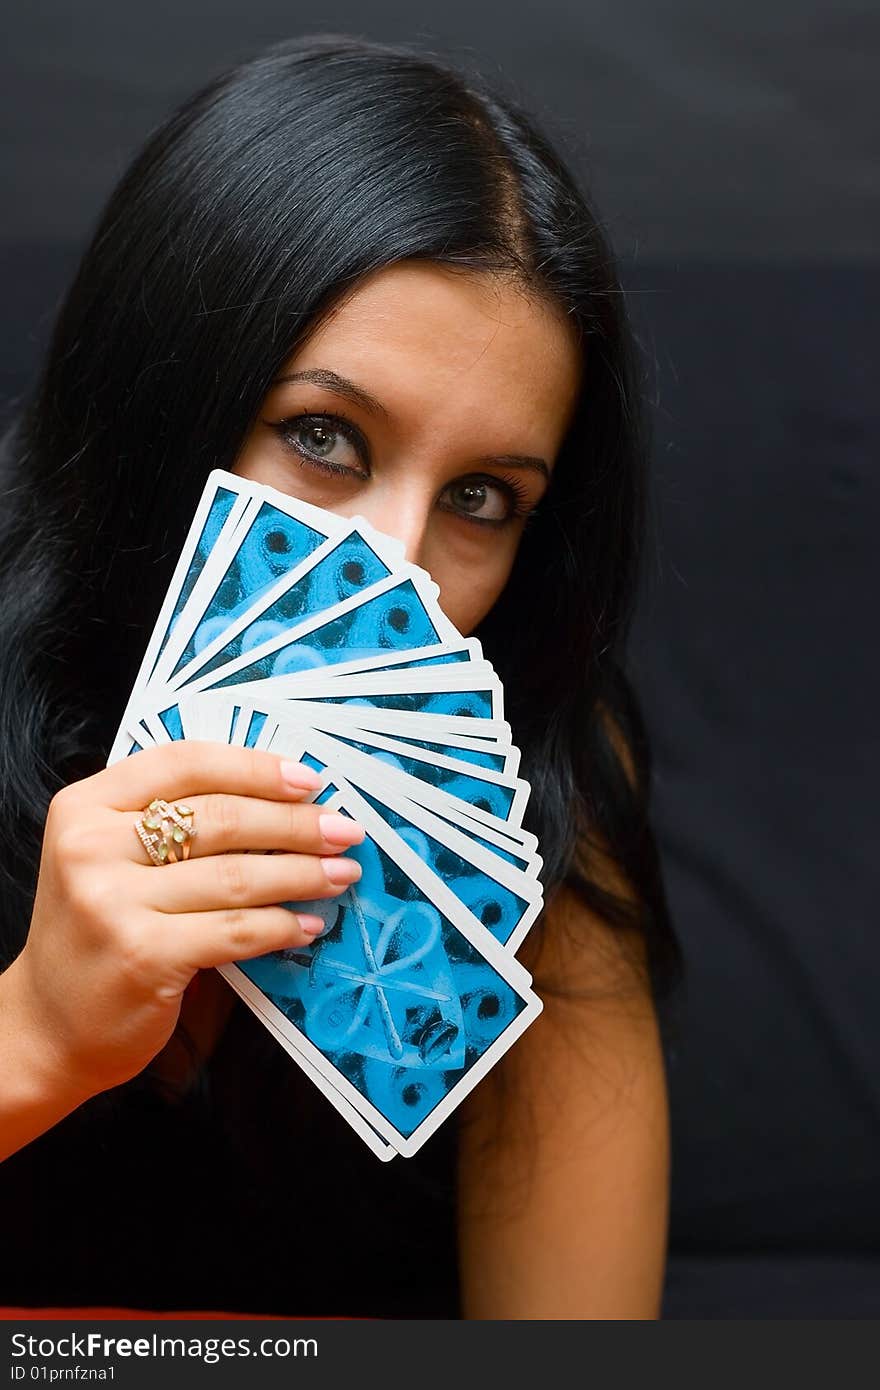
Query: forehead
{"x": 417, "y": 333}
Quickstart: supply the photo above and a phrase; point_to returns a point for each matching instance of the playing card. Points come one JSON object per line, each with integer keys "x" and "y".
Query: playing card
{"x": 465, "y": 809}
{"x": 275, "y": 534}
{"x": 292, "y": 629}
{"x": 406, "y": 1001}
{"x": 499, "y": 793}
{"x": 493, "y": 735}
{"x": 344, "y": 565}
{"x": 502, "y": 897}
{"x": 396, "y": 613}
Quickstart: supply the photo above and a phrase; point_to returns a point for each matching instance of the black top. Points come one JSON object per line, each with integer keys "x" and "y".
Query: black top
{"x": 251, "y": 1194}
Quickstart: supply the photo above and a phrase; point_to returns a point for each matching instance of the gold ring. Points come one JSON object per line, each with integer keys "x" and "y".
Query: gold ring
{"x": 165, "y": 829}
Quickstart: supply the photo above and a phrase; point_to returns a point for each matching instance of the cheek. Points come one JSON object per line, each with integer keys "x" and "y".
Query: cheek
{"x": 468, "y": 591}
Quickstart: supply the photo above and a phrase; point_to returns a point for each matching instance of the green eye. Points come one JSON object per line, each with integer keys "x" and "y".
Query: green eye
{"x": 316, "y": 438}
{"x": 326, "y": 441}
{"x": 483, "y": 499}
{"x": 469, "y": 497}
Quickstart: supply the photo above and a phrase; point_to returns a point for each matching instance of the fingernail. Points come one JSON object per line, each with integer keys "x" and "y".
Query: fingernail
{"x": 340, "y": 830}
{"x": 300, "y": 777}
{"x": 311, "y": 925}
{"x": 341, "y": 871}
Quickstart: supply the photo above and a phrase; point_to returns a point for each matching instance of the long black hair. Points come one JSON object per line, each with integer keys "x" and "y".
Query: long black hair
{"x": 246, "y": 215}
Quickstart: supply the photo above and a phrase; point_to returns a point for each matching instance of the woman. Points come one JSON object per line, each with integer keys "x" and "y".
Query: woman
{"x": 398, "y": 238}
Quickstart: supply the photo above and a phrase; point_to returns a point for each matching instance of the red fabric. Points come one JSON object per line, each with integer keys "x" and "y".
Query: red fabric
{"x": 111, "y": 1314}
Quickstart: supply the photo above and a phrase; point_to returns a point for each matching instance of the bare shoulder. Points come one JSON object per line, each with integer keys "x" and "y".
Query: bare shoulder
{"x": 598, "y": 1028}
{"x": 563, "y": 1157}
{"x": 564, "y": 1145}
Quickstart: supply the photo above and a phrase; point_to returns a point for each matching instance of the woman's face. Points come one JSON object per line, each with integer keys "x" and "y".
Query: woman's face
{"x": 433, "y": 403}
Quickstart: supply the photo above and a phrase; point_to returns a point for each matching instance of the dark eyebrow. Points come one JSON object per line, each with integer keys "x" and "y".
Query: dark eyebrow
{"x": 322, "y": 376}
{"x": 516, "y": 461}
{"x": 332, "y": 381}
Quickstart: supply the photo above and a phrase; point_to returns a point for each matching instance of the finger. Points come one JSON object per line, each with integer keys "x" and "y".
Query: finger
{"x": 200, "y": 940}
{"x": 223, "y": 823}
{"x": 177, "y": 771}
{"x": 246, "y": 880}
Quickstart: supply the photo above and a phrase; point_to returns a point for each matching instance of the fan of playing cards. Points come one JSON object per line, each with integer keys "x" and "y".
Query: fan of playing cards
{"x": 289, "y": 628}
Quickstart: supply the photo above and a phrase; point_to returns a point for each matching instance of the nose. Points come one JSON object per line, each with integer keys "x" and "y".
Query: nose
{"x": 400, "y": 512}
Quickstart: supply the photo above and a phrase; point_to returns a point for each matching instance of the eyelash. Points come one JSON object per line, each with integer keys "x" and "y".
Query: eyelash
{"x": 517, "y": 493}
{"x": 519, "y": 509}
{"x": 341, "y": 423}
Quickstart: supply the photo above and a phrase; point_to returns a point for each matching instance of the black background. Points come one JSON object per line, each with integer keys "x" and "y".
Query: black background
{"x": 732, "y": 151}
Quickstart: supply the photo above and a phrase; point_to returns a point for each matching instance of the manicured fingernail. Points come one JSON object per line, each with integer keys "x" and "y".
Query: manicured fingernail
{"x": 311, "y": 925}
{"x": 300, "y": 777}
{"x": 341, "y": 871}
{"x": 340, "y": 830}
